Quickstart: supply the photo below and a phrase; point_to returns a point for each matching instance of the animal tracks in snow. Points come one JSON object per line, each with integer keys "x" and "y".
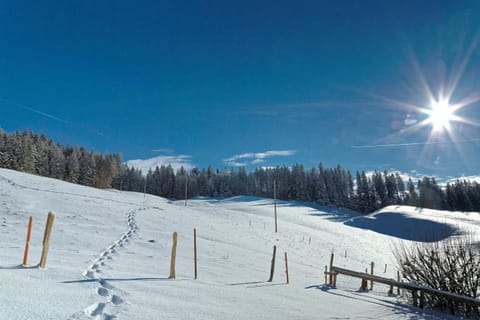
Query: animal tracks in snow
{"x": 109, "y": 296}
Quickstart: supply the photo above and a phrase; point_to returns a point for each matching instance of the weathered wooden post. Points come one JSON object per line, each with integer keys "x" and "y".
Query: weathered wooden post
{"x": 286, "y": 268}
{"x": 330, "y": 281}
{"x": 415, "y": 299}
{"x": 27, "y": 244}
{"x": 174, "y": 254}
{"x": 46, "y": 239}
{"x": 326, "y": 278}
{"x": 372, "y": 265}
{"x": 186, "y": 189}
{"x": 364, "y": 284}
{"x": 422, "y": 299}
{"x": 195, "y": 250}
{"x": 385, "y": 271}
{"x": 272, "y": 267}
{"x": 275, "y": 203}
{"x": 398, "y": 279}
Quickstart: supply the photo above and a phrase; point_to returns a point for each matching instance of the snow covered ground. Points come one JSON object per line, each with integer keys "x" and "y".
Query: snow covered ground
{"x": 110, "y": 256}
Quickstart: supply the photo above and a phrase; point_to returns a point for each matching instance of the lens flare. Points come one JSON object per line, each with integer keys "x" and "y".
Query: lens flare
{"x": 435, "y": 112}
{"x": 440, "y": 115}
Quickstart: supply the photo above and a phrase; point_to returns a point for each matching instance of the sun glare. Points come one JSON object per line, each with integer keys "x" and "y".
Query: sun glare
{"x": 440, "y": 115}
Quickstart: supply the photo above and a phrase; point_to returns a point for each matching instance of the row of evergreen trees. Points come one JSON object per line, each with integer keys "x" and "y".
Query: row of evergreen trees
{"x": 325, "y": 186}
{"x": 32, "y": 153}
{"x": 337, "y": 187}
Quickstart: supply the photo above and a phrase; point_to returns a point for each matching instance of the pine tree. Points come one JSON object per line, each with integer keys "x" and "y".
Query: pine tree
{"x": 412, "y": 193}
{"x": 56, "y": 162}
{"x": 72, "y": 172}
{"x": 87, "y": 169}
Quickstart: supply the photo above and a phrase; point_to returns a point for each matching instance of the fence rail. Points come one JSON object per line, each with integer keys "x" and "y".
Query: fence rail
{"x": 414, "y": 288}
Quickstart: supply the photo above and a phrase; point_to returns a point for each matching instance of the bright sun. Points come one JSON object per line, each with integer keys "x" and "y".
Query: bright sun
{"x": 440, "y": 115}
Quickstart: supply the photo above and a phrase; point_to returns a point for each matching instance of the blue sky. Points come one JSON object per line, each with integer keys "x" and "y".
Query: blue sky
{"x": 259, "y": 83}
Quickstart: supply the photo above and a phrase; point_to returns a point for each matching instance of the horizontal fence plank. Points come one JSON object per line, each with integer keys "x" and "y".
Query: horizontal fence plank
{"x": 405, "y": 285}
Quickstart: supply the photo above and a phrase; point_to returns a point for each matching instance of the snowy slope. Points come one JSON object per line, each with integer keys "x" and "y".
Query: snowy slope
{"x": 110, "y": 256}
{"x": 418, "y": 224}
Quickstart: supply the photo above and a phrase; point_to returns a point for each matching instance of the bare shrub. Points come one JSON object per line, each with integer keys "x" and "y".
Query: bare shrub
{"x": 452, "y": 265}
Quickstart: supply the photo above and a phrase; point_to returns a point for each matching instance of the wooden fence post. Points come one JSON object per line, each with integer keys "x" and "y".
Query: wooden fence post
{"x": 275, "y": 203}
{"x": 414, "y": 297}
{"x": 398, "y": 279}
{"x": 27, "y": 244}
{"x": 330, "y": 281}
{"x": 326, "y": 279}
{"x": 46, "y": 239}
{"x": 364, "y": 285}
{"x": 195, "y": 250}
{"x": 272, "y": 267}
{"x": 174, "y": 254}
{"x": 286, "y": 268}
{"x": 422, "y": 299}
{"x": 372, "y": 265}
{"x": 385, "y": 271}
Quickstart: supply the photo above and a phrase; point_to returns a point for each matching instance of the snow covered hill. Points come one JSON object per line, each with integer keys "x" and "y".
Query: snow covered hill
{"x": 110, "y": 256}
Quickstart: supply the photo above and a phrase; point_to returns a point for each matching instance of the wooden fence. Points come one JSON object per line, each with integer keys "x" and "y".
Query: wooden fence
{"x": 414, "y": 288}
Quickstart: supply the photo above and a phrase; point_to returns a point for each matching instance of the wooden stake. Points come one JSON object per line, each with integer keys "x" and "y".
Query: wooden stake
{"x": 286, "y": 267}
{"x": 398, "y": 279}
{"x": 272, "y": 267}
{"x": 27, "y": 244}
{"x": 186, "y": 190}
{"x": 326, "y": 270}
{"x": 330, "y": 281}
{"x": 195, "y": 250}
{"x": 372, "y": 265}
{"x": 275, "y": 203}
{"x": 145, "y": 187}
{"x": 174, "y": 254}
{"x": 46, "y": 239}
{"x": 385, "y": 268}
{"x": 364, "y": 285}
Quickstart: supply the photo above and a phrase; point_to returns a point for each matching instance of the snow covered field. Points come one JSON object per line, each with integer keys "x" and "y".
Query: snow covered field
{"x": 110, "y": 255}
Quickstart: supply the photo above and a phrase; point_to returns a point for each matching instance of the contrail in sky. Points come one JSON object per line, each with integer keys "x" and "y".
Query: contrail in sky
{"x": 393, "y": 145}
{"x": 22, "y": 106}
{"x": 47, "y": 115}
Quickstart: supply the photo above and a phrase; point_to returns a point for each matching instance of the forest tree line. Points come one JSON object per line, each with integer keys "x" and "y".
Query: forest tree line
{"x": 32, "y": 153}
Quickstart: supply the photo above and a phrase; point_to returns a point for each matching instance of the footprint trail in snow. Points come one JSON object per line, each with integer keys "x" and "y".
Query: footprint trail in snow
{"x": 109, "y": 297}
